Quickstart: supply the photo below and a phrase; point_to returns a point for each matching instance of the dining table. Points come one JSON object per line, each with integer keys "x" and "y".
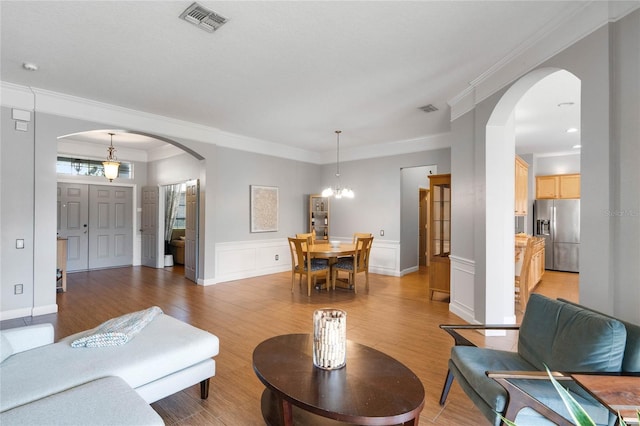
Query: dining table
{"x": 329, "y": 251}
{"x": 326, "y": 250}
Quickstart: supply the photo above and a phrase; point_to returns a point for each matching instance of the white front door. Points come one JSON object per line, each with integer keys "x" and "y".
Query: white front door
{"x": 110, "y": 226}
{"x": 97, "y": 221}
{"x": 73, "y": 224}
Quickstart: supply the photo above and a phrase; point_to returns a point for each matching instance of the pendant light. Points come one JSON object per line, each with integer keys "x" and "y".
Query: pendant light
{"x": 111, "y": 165}
{"x": 339, "y": 190}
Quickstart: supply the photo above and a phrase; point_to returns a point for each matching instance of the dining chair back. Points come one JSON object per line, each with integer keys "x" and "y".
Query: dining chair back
{"x": 522, "y": 285}
{"x": 357, "y": 235}
{"x": 359, "y": 262}
{"x": 301, "y": 264}
{"x": 310, "y": 238}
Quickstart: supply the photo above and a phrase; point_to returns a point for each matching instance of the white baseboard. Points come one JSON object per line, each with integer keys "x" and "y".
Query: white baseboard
{"x": 44, "y": 310}
{"x": 15, "y": 313}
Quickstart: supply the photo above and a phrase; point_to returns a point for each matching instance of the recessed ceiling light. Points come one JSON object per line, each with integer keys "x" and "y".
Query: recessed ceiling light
{"x": 566, "y": 104}
{"x": 29, "y": 66}
{"x": 572, "y": 130}
{"x": 578, "y": 146}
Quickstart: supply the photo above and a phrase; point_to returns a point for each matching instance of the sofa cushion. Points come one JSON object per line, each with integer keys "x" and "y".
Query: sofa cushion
{"x": 165, "y": 346}
{"x": 473, "y": 363}
{"x": 545, "y": 392}
{"x": 631, "y": 362}
{"x": 108, "y": 401}
{"x": 569, "y": 338}
{"x": 5, "y": 347}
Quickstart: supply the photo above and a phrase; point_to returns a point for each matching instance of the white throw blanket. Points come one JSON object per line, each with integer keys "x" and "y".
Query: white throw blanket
{"x": 117, "y": 331}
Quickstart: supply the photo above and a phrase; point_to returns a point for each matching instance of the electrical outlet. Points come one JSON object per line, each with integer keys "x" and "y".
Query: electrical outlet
{"x": 382, "y": 232}
{"x": 277, "y": 257}
{"x": 17, "y": 289}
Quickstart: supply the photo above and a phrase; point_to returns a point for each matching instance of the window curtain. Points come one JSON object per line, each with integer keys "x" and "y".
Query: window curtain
{"x": 172, "y": 200}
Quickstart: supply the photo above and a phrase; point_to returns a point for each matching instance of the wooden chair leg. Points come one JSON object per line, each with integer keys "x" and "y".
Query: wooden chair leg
{"x": 366, "y": 277}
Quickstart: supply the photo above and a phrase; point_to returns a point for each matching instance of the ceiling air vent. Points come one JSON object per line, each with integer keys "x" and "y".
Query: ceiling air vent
{"x": 429, "y": 108}
{"x": 203, "y": 18}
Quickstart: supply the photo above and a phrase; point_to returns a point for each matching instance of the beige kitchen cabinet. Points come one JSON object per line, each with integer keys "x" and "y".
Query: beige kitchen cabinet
{"x": 537, "y": 267}
{"x": 522, "y": 185}
{"x": 558, "y": 186}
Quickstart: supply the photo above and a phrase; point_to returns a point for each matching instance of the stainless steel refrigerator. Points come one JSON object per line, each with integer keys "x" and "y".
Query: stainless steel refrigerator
{"x": 558, "y": 222}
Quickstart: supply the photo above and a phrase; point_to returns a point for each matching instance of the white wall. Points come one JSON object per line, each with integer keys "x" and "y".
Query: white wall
{"x": 555, "y": 164}
{"x": 625, "y": 136}
{"x": 16, "y": 216}
{"x": 607, "y": 65}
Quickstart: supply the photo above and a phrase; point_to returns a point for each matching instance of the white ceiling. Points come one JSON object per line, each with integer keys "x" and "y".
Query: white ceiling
{"x": 288, "y": 72}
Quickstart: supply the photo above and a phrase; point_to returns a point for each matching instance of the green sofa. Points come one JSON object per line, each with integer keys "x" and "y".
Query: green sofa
{"x": 564, "y": 336}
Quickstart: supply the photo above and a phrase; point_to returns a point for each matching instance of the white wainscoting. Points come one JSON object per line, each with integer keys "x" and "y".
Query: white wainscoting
{"x": 245, "y": 259}
{"x": 385, "y": 258}
{"x": 462, "y": 288}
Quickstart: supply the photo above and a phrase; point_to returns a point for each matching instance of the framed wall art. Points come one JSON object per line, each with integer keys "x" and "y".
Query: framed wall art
{"x": 264, "y": 208}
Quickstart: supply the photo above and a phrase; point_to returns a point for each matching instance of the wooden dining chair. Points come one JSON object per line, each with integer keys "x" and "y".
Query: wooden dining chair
{"x": 357, "y": 235}
{"x": 522, "y": 287}
{"x": 359, "y": 262}
{"x": 302, "y": 265}
{"x": 310, "y": 237}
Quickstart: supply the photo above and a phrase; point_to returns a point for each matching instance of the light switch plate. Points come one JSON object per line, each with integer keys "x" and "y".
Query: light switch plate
{"x": 20, "y": 243}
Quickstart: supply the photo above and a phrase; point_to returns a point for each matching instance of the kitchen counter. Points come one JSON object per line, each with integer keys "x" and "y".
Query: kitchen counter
{"x": 537, "y": 259}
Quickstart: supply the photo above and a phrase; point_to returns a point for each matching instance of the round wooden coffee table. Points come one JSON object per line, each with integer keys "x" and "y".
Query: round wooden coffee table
{"x": 372, "y": 389}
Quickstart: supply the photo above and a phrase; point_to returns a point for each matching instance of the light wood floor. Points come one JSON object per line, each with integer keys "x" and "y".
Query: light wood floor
{"x": 394, "y": 316}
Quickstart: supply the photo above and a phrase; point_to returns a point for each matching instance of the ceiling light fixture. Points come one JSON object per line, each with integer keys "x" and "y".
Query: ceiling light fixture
{"x": 111, "y": 165}
{"x": 572, "y": 130}
{"x": 339, "y": 191}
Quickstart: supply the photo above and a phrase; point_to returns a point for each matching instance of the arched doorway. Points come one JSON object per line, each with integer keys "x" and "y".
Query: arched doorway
{"x": 499, "y": 220}
{"x": 132, "y": 144}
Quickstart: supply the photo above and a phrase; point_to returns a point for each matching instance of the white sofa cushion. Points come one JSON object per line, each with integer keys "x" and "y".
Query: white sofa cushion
{"x": 109, "y": 402}
{"x": 5, "y": 348}
{"x": 28, "y": 337}
{"x": 164, "y": 347}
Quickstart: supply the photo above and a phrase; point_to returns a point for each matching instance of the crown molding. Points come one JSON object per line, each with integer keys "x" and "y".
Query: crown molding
{"x": 14, "y": 96}
{"x": 552, "y": 39}
{"x": 388, "y": 149}
{"x": 60, "y": 104}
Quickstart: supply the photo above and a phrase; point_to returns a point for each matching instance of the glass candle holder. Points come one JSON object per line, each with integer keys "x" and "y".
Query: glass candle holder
{"x": 329, "y": 338}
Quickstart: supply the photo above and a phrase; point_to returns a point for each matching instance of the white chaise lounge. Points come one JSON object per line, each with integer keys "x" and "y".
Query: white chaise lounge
{"x": 36, "y": 374}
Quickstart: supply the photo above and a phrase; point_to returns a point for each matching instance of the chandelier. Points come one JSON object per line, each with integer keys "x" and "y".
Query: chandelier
{"x": 339, "y": 191}
{"x": 111, "y": 165}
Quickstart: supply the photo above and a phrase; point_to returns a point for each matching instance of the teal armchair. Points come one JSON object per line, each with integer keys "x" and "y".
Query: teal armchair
{"x": 562, "y": 335}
